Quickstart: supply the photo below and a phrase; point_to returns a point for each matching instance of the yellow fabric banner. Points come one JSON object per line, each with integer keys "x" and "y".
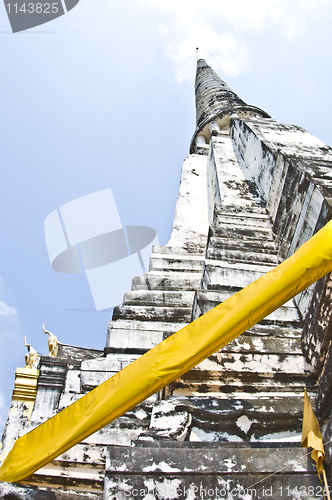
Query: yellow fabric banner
{"x": 311, "y": 435}
{"x": 170, "y": 359}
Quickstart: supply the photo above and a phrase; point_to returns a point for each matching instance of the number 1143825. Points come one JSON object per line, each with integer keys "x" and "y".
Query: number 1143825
{"x": 33, "y": 8}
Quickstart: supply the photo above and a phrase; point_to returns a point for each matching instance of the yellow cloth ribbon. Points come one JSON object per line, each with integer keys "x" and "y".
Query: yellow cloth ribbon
{"x": 311, "y": 435}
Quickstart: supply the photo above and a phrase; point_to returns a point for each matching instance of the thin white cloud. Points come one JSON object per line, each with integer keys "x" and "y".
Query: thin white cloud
{"x": 219, "y": 28}
{"x": 230, "y": 52}
{"x": 6, "y": 310}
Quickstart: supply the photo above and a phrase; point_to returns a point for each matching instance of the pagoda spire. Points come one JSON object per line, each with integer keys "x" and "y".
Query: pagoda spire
{"x": 215, "y": 101}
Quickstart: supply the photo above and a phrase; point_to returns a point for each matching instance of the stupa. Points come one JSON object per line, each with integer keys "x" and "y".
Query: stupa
{"x": 252, "y": 191}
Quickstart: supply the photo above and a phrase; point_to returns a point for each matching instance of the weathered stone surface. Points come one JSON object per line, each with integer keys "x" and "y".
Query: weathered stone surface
{"x": 207, "y": 299}
{"x": 167, "y": 281}
{"x": 129, "y": 339}
{"x": 77, "y": 354}
{"x": 9, "y": 491}
{"x": 215, "y": 471}
{"x": 191, "y": 219}
{"x": 173, "y": 263}
{"x": 221, "y": 273}
{"x": 255, "y": 344}
{"x": 206, "y": 486}
{"x": 14, "y": 427}
{"x": 153, "y": 313}
{"x": 327, "y": 439}
{"x": 215, "y": 101}
{"x": 158, "y": 298}
{"x": 50, "y": 385}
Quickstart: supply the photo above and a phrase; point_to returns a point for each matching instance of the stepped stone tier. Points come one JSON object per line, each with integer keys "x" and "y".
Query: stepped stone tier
{"x": 252, "y": 191}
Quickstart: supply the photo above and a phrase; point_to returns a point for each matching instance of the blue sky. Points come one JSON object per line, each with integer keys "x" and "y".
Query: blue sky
{"x": 103, "y": 97}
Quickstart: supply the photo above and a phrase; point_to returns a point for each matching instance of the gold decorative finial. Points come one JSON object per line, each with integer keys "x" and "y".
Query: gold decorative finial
{"x": 197, "y": 53}
{"x": 31, "y": 356}
{"x": 52, "y": 343}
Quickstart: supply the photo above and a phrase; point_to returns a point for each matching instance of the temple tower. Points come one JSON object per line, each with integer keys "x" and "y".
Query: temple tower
{"x": 252, "y": 191}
